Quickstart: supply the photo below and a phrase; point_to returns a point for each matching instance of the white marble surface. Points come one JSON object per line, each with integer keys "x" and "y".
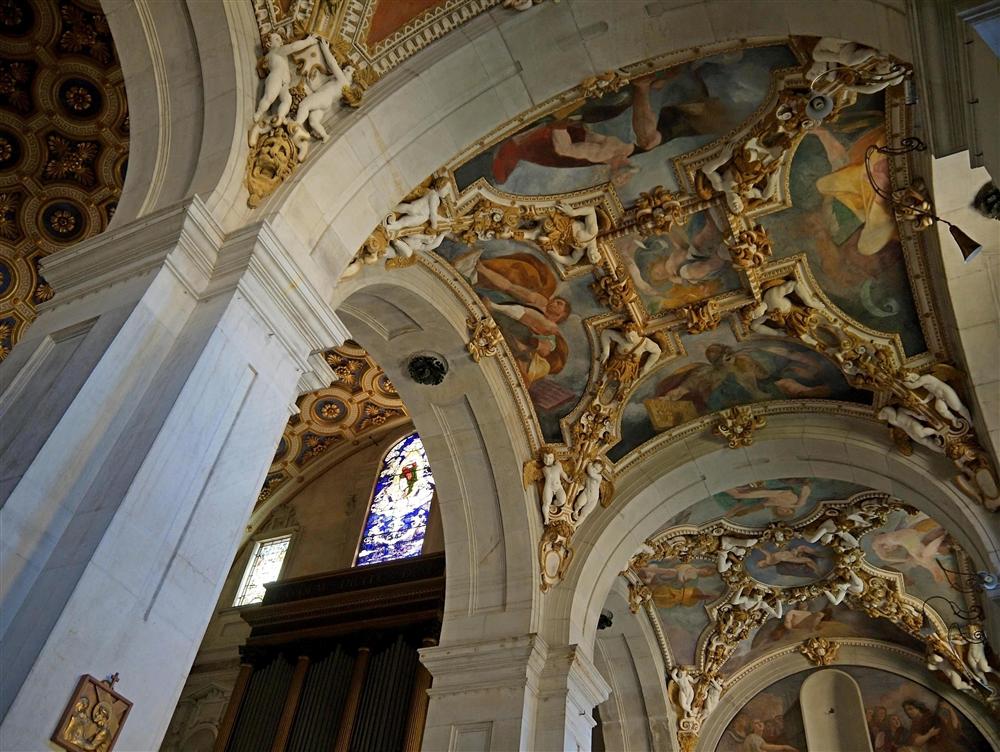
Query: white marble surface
{"x": 127, "y": 519}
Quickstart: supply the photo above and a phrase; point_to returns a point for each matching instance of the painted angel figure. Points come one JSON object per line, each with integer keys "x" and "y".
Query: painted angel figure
{"x": 945, "y": 399}
{"x": 799, "y": 555}
{"x": 279, "y": 76}
{"x": 314, "y": 106}
{"x": 589, "y": 496}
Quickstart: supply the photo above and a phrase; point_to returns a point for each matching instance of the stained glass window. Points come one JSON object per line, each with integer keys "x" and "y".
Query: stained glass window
{"x": 264, "y": 567}
{"x": 401, "y": 504}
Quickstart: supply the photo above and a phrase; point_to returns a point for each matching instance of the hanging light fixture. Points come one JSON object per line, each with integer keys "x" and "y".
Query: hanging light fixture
{"x": 971, "y": 584}
{"x": 970, "y": 248}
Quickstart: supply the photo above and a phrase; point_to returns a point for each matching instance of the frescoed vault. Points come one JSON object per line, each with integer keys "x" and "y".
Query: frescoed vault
{"x": 693, "y": 243}
{"x": 807, "y": 562}
{"x": 687, "y": 245}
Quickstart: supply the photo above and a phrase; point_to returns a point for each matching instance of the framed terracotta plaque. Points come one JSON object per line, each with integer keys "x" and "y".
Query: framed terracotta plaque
{"x": 93, "y": 717}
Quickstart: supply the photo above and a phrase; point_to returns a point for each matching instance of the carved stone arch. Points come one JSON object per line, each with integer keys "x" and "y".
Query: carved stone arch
{"x": 896, "y": 659}
{"x": 669, "y": 480}
{"x": 189, "y": 75}
{"x": 474, "y": 444}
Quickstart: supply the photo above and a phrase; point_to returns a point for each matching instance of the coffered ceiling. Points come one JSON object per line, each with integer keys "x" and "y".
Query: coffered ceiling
{"x": 64, "y": 134}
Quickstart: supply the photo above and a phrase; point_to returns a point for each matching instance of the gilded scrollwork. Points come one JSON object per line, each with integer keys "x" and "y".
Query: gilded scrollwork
{"x": 820, "y": 651}
{"x": 484, "y": 338}
{"x": 737, "y": 425}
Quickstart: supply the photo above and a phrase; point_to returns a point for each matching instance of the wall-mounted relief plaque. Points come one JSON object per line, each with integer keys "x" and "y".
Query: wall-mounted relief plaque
{"x": 94, "y": 716}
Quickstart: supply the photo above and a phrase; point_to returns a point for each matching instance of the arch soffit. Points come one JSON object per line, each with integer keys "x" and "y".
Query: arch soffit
{"x": 853, "y": 652}
{"x": 189, "y": 72}
{"x": 668, "y": 481}
{"x": 639, "y": 674}
{"x": 489, "y": 523}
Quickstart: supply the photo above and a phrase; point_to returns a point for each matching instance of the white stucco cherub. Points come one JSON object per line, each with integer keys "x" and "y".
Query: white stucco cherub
{"x": 278, "y": 81}
{"x": 828, "y": 531}
{"x": 752, "y": 597}
{"x": 553, "y": 491}
{"x": 685, "y": 689}
{"x": 745, "y": 172}
{"x": 977, "y": 662}
{"x": 567, "y": 234}
{"x": 314, "y": 106}
{"x": 850, "y": 583}
{"x": 407, "y": 245}
{"x": 831, "y": 55}
{"x": 732, "y": 550}
{"x": 910, "y": 424}
{"x": 937, "y": 662}
{"x": 776, "y": 306}
{"x": 590, "y": 495}
{"x": 712, "y": 696}
{"x": 945, "y": 399}
{"x": 424, "y": 209}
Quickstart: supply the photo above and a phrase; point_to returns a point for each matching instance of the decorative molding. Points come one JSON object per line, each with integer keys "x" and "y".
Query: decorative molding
{"x": 737, "y": 425}
{"x": 358, "y": 404}
{"x": 748, "y": 603}
{"x": 820, "y": 651}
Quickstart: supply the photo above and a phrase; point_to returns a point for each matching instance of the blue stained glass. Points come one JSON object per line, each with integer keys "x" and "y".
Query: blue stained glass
{"x": 401, "y": 504}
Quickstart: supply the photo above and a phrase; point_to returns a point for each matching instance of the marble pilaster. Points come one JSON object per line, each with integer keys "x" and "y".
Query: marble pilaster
{"x": 140, "y": 415}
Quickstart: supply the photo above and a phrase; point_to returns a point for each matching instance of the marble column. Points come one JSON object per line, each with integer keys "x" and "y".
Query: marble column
{"x": 514, "y": 693}
{"x": 139, "y": 417}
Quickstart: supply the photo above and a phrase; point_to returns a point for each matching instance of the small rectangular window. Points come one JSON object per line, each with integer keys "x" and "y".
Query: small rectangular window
{"x": 264, "y": 567}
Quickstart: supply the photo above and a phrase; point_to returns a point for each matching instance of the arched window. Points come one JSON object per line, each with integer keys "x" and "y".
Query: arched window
{"x": 401, "y": 504}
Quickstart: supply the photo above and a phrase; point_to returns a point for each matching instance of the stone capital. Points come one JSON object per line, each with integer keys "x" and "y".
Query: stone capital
{"x": 513, "y": 663}
{"x": 185, "y": 242}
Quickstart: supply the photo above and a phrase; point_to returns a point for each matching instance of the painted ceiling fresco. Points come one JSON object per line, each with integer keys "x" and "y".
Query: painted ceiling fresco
{"x": 64, "y": 135}
{"x": 683, "y": 591}
{"x": 899, "y": 714}
{"x": 806, "y": 564}
{"x": 693, "y": 243}
{"x": 643, "y": 138}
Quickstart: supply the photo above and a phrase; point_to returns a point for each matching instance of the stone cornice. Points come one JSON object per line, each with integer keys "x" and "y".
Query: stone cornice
{"x": 513, "y": 663}
{"x": 256, "y": 262}
{"x": 186, "y": 240}
{"x": 184, "y": 237}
